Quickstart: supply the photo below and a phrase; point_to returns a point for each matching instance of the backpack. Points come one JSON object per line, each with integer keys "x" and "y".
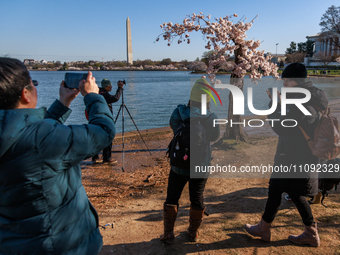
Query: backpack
{"x": 327, "y": 184}
{"x": 181, "y": 152}
{"x": 326, "y": 142}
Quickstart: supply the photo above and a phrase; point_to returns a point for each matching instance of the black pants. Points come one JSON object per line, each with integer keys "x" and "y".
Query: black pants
{"x": 106, "y": 153}
{"x": 274, "y": 201}
{"x": 176, "y": 185}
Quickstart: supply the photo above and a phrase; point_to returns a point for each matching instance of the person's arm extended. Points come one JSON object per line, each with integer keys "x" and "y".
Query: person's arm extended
{"x": 72, "y": 144}
{"x": 289, "y": 124}
{"x": 59, "y": 110}
{"x": 114, "y": 98}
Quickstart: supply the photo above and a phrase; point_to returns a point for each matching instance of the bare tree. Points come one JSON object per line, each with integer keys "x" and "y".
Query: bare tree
{"x": 295, "y": 57}
{"x": 324, "y": 58}
{"x": 330, "y": 26}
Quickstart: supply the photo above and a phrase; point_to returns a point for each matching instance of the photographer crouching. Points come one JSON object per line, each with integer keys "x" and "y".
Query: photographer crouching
{"x": 104, "y": 91}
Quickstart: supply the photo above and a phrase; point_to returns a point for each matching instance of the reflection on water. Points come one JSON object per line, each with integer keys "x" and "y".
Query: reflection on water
{"x": 151, "y": 96}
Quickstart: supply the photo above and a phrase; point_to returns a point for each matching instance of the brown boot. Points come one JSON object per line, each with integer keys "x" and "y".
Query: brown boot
{"x": 262, "y": 230}
{"x": 309, "y": 236}
{"x": 169, "y": 217}
{"x": 195, "y": 220}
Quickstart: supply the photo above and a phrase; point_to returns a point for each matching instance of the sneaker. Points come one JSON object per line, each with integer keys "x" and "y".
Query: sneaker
{"x": 110, "y": 161}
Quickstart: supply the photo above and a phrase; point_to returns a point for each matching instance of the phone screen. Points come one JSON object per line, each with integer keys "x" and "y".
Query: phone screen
{"x": 72, "y": 79}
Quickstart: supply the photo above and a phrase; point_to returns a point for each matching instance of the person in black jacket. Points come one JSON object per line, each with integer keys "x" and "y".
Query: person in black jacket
{"x": 293, "y": 151}
{"x": 104, "y": 91}
{"x": 178, "y": 177}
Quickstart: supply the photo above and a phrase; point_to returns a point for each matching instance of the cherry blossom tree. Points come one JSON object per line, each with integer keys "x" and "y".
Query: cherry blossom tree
{"x": 197, "y": 66}
{"x": 225, "y": 38}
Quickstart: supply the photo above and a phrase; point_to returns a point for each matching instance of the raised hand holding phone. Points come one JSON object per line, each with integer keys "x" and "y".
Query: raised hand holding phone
{"x": 270, "y": 94}
{"x": 88, "y": 86}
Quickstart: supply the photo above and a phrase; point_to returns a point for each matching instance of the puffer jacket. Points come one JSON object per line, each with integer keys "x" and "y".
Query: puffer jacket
{"x": 186, "y": 113}
{"x": 292, "y": 148}
{"x": 44, "y": 208}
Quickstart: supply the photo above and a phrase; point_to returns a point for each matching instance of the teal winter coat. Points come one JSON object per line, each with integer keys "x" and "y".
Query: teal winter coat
{"x": 44, "y": 208}
{"x": 181, "y": 114}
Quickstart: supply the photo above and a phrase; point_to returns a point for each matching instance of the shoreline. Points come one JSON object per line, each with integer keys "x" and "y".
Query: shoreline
{"x": 160, "y": 70}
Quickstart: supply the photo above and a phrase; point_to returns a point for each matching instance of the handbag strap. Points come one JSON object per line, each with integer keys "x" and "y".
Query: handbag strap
{"x": 308, "y": 139}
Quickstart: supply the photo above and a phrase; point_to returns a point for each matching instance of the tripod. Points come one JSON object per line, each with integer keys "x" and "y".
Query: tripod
{"x": 121, "y": 108}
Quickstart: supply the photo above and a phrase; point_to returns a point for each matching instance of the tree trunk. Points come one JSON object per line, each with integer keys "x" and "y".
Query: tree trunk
{"x": 234, "y": 131}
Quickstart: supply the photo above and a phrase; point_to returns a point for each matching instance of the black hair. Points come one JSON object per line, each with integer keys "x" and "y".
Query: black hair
{"x": 296, "y": 72}
{"x": 14, "y": 77}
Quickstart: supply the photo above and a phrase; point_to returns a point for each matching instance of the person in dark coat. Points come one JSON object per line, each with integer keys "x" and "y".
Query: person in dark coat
{"x": 293, "y": 151}
{"x": 44, "y": 208}
{"x": 104, "y": 91}
{"x": 178, "y": 177}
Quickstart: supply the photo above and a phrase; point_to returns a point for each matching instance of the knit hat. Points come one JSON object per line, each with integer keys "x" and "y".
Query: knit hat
{"x": 105, "y": 83}
{"x": 198, "y": 89}
{"x": 295, "y": 70}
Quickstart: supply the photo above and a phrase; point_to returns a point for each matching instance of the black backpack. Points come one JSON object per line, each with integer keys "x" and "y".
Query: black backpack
{"x": 181, "y": 152}
{"x": 327, "y": 184}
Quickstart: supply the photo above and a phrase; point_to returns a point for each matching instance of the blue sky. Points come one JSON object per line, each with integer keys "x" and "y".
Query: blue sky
{"x": 95, "y": 30}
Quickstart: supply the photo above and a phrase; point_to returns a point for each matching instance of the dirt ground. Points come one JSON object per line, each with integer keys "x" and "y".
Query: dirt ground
{"x": 130, "y": 203}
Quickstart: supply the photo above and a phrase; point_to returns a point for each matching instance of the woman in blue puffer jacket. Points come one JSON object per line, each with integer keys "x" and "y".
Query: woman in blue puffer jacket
{"x": 44, "y": 208}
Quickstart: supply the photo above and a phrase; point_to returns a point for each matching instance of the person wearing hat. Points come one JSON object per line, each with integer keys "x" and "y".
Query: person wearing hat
{"x": 179, "y": 177}
{"x": 106, "y": 87}
{"x": 293, "y": 151}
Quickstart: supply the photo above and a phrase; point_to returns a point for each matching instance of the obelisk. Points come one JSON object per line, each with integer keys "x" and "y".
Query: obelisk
{"x": 128, "y": 42}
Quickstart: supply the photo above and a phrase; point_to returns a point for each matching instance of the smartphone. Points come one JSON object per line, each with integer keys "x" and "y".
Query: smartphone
{"x": 72, "y": 79}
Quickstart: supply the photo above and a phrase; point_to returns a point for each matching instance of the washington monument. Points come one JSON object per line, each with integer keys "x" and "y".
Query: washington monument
{"x": 128, "y": 42}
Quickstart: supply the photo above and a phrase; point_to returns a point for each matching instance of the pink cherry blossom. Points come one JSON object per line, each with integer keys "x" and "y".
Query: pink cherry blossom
{"x": 226, "y": 38}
